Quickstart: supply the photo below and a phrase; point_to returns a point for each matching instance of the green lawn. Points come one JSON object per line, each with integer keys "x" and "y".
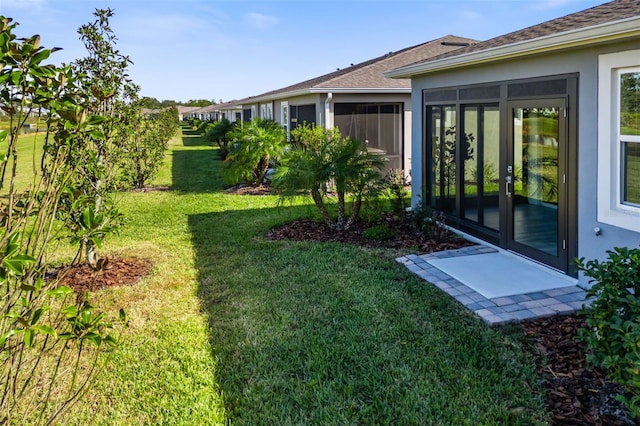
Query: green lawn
{"x": 234, "y": 329}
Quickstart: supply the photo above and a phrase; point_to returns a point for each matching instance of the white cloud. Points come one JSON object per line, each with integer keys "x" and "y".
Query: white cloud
{"x": 550, "y": 4}
{"x": 260, "y": 21}
{"x": 470, "y": 15}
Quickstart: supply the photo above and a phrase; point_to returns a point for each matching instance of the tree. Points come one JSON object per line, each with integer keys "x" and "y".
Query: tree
{"x": 168, "y": 103}
{"x": 219, "y": 132}
{"x": 320, "y": 162}
{"x": 150, "y": 103}
{"x": 253, "y": 147}
{"x": 199, "y": 102}
{"x": 107, "y": 95}
{"x": 45, "y": 332}
{"x": 146, "y": 147}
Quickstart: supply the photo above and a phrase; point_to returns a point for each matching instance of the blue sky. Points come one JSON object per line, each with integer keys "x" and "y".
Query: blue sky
{"x": 230, "y": 49}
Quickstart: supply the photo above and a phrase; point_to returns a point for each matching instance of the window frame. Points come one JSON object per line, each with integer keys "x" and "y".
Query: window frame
{"x": 612, "y": 209}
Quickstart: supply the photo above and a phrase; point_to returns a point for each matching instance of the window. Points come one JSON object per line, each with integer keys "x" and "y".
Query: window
{"x": 379, "y": 125}
{"x": 284, "y": 116}
{"x": 619, "y": 139}
{"x": 630, "y": 135}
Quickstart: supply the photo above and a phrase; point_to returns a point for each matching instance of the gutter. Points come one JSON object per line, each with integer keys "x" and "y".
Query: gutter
{"x": 607, "y": 32}
{"x": 328, "y": 123}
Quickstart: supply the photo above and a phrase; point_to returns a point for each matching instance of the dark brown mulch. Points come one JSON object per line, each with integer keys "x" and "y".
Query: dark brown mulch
{"x": 404, "y": 235}
{"x": 576, "y": 393}
{"x": 118, "y": 272}
{"x": 243, "y": 189}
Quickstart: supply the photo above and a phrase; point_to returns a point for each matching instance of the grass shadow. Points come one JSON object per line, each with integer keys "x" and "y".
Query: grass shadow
{"x": 191, "y": 137}
{"x": 195, "y": 166}
{"x": 327, "y": 333}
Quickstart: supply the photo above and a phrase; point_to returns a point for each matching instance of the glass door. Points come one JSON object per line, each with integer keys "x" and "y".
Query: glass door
{"x": 535, "y": 181}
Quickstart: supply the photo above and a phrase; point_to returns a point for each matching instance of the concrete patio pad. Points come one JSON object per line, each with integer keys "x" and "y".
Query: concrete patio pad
{"x": 499, "y": 287}
{"x": 500, "y": 274}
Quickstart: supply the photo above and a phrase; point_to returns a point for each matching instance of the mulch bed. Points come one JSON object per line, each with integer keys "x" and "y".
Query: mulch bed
{"x": 576, "y": 394}
{"x": 118, "y": 272}
{"x": 404, "y": 235}
{"x": 243, "y": 189}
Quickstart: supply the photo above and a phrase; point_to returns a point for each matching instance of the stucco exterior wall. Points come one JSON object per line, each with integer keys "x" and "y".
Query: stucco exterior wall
{"x": 585, "y": 63}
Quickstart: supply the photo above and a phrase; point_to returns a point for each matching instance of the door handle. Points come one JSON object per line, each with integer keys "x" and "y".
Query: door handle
{"x": 508, "y": 186}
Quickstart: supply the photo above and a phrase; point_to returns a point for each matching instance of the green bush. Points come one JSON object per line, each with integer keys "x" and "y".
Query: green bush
{"x": 613, "y": 334}
{"x": 203, "y": 127}
{"x": 321, "y": 163}
{"x": 254, "y": 146}
{"x": 395, "y": 187}
{"x": 219, "y": 132}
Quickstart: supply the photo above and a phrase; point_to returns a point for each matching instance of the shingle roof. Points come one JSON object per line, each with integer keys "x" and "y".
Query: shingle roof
{"x": 369, "y": 74}
{"x": 609, "y": 12}
{"x": 186, "y": 109}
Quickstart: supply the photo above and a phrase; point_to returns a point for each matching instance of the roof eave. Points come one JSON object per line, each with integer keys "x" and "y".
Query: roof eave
{"x": 320, "y": 90}
{"x": 607, "y": 32}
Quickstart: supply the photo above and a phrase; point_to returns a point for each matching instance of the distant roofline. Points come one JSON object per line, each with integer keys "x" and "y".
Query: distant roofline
{"x": 321, "y": 90}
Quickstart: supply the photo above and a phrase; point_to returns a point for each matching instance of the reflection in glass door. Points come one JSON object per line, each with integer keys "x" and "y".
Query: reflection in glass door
{"x": 535, "y": 180}
{"x": 481, "y": 161}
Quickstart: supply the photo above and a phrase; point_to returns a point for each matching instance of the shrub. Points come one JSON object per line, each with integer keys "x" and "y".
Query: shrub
{"x": 432, "y": 222}
{"x": 395, "y": 183}
{"x": 254, "y": 146}
{"x": 145, "y": 148}
{"x": 613, "y": 320}
{"x": 322, "y": 162}
{"x": 219, "y": 133}
{"x": 203, "y": 126}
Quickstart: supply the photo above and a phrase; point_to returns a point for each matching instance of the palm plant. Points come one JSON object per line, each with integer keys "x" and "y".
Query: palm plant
{"x": 322, "y": 161}
{"x": 219, "y": 132}
{"x": 253, "y": 147}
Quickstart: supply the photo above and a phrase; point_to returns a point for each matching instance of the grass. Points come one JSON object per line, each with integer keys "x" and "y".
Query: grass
{"x": 232, "y": 328}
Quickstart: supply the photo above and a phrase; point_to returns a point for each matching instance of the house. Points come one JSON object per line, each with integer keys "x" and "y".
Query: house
{"x": 186, "y": 112}
{"x": 358, "y": 99}
{"x": 531, "y": 140}
{"x": 231, "y": 110}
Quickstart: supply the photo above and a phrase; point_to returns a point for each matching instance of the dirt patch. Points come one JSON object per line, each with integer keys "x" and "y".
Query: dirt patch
{"x": 118, "y": 272}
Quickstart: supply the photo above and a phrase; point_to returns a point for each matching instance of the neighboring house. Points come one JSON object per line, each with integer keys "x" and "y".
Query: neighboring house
{"x": 207, "y": 113}
{"x": 359, "y": 100}
{"x": 231, "y": 110}
{"x": 531, "y": 140}
{"x": 186, "y": 112}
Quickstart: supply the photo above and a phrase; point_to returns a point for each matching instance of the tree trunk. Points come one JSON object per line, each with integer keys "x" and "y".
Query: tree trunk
{"x": 90, "y": 248}
{"x": 317, "y": 199}
{"x": 354, "y": 215}
{"x": 340, "y": 221}
{"x": 261, "y": 170}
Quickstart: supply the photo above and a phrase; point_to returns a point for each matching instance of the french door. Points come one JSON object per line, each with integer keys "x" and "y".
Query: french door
{"x": 535, "y": 181}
